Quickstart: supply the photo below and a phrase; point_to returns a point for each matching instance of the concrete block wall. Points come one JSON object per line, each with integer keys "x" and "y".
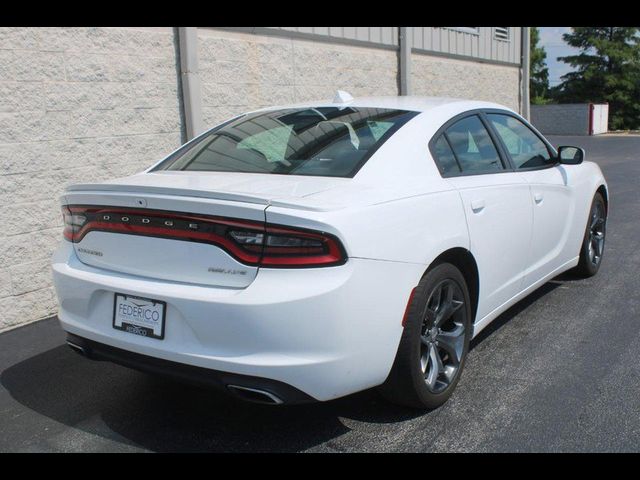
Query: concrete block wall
{"x": 565, "y": 119}
{"x": 447, "y": 77}
{"x": 76, "y": 104}
{"x": 242, "y": 71}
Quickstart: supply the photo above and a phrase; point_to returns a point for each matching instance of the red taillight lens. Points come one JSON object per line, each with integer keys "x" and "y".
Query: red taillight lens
{"x": 250, "y": 242}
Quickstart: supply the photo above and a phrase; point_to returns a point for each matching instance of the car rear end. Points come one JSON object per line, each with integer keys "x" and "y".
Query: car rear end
{"x": 188, "y": 274}
{"x": 298, "y": 321}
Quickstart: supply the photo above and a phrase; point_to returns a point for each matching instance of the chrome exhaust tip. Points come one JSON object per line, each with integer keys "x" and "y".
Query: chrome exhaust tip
{"x": 77, "y": 348}
{"x": 255, "y": 395}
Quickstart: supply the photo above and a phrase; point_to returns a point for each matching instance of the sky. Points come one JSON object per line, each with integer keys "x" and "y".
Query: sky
{"x": 551, "y": 40}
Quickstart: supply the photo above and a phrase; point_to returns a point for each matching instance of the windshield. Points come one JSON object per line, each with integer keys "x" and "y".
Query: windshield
{"x": 324, "y": 141}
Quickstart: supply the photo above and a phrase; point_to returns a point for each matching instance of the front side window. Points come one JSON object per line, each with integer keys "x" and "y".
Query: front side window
{"x": 527, "y": 150}
{"x": 472, "y": 146}
{"x": 324, "y": 141}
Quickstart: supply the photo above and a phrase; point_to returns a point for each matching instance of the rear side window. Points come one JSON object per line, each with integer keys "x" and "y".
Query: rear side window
{"x": 526, "y": 149}
{"x": 472, "y": 147}
{"x": 324, "y": 141}
{"x": 445, "y": 157}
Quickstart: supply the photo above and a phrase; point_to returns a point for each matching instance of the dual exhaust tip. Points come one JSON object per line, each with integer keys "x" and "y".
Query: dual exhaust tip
{"x": 249, "y": 394}
{"x": 255, "y": 395}
{"x": 77, "y": 348}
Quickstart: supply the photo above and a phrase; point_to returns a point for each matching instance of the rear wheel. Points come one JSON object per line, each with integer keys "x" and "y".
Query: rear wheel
{"x": 434, "y": 342}
{"x": 593, "y": 243}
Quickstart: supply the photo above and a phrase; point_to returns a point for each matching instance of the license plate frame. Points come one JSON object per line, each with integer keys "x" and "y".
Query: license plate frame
{"x": 147, "y": 325}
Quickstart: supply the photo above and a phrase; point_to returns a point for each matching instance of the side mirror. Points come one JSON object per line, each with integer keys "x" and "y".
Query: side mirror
{"x": 570, "y": 155}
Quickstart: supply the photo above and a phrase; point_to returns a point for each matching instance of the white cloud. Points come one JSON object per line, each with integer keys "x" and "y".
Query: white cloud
{"x": 552, "y": 35}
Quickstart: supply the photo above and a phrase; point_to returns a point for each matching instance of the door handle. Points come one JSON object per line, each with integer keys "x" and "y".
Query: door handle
{"x": 538, "y": 197}
{"x": 477, "y": 205}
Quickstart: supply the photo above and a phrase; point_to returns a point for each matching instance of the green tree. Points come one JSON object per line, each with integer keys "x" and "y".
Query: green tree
{"x": 606, "y": 70}
{"x": 539, "y": 73}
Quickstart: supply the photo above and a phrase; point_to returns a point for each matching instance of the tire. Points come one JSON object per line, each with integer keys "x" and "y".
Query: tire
{"x": 413, "y": 382}
{"x": 592, "y": 247}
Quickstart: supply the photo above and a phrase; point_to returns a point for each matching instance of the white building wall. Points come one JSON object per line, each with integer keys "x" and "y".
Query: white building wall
{"x": 76, "y": 104}
{"x": 243, "y": 71}
{"x": 380, "y": 35}
{"x": 473, "y": 42}
{"x": 447, "y": 77}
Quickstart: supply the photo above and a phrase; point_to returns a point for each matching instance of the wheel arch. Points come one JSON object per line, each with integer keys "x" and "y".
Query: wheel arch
{"x": 602, "y": 190}
{"x": 464, "y": 261}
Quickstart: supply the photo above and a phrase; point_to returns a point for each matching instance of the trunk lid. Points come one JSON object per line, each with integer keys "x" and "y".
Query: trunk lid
{"x": 243, "y": 187}
{"x": 141, "y": 204}
{"x": 163, "y": 251}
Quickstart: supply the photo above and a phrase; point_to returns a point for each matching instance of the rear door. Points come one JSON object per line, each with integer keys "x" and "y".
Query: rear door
{"x": 496, "y": 202}
{"x": 551, "y": 197}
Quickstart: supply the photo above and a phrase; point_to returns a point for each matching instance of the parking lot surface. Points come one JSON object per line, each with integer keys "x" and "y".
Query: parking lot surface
{"x": 557, "y": 372}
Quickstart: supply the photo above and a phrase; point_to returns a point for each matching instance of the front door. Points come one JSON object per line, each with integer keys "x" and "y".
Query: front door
{"x": 550, "y": 196}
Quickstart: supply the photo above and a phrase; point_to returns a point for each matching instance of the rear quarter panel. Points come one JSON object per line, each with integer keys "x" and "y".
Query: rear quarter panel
{"x": 414, "y": 229}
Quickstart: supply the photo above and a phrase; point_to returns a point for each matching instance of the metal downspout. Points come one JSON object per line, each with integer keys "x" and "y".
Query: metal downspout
{"x": 191, "y": 93}
{"x": 404, "y": 41}
{"x": 526, "y": 63}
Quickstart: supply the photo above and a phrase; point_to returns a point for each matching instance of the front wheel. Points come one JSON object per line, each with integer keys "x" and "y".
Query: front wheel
{"x": 434, "y": 342}
{"x": 593, "y": 243}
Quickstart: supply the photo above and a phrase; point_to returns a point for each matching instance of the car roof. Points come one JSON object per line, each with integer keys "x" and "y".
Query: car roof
{"x": 409, "y": 102}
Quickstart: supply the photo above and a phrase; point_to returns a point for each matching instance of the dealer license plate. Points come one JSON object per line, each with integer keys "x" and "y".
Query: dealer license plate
{"x": 139, "y": 315}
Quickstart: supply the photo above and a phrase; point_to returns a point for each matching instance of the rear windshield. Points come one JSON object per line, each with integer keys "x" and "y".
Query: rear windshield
{"x": 327, "y": 141}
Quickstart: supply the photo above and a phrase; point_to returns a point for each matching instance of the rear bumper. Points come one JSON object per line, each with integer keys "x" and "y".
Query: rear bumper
{"x": 326, "y": 332}
{"x": 275, "y": 392}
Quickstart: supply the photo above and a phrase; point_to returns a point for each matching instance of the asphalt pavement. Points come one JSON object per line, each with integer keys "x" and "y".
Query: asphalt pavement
{"x": 560, "y": 371}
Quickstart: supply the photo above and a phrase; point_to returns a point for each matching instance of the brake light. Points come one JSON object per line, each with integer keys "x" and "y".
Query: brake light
{"x": 250, "y": 242}
{"x": 72, "y": 223}
{"x": 291, "y": 247}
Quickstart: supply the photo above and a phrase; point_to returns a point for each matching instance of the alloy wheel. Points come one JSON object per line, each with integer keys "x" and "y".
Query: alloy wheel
{"x": 442, "y": 335}
{"x": 596, "y": 233}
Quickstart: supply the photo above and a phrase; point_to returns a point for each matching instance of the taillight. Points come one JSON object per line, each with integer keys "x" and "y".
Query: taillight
{"x": 292, "y": 247}
{"x": 73, "y": 222}
{"x": 250, "y": 242}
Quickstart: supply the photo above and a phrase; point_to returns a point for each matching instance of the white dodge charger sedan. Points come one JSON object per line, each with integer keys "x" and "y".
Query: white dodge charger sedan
{"x": 307, "y": 252}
